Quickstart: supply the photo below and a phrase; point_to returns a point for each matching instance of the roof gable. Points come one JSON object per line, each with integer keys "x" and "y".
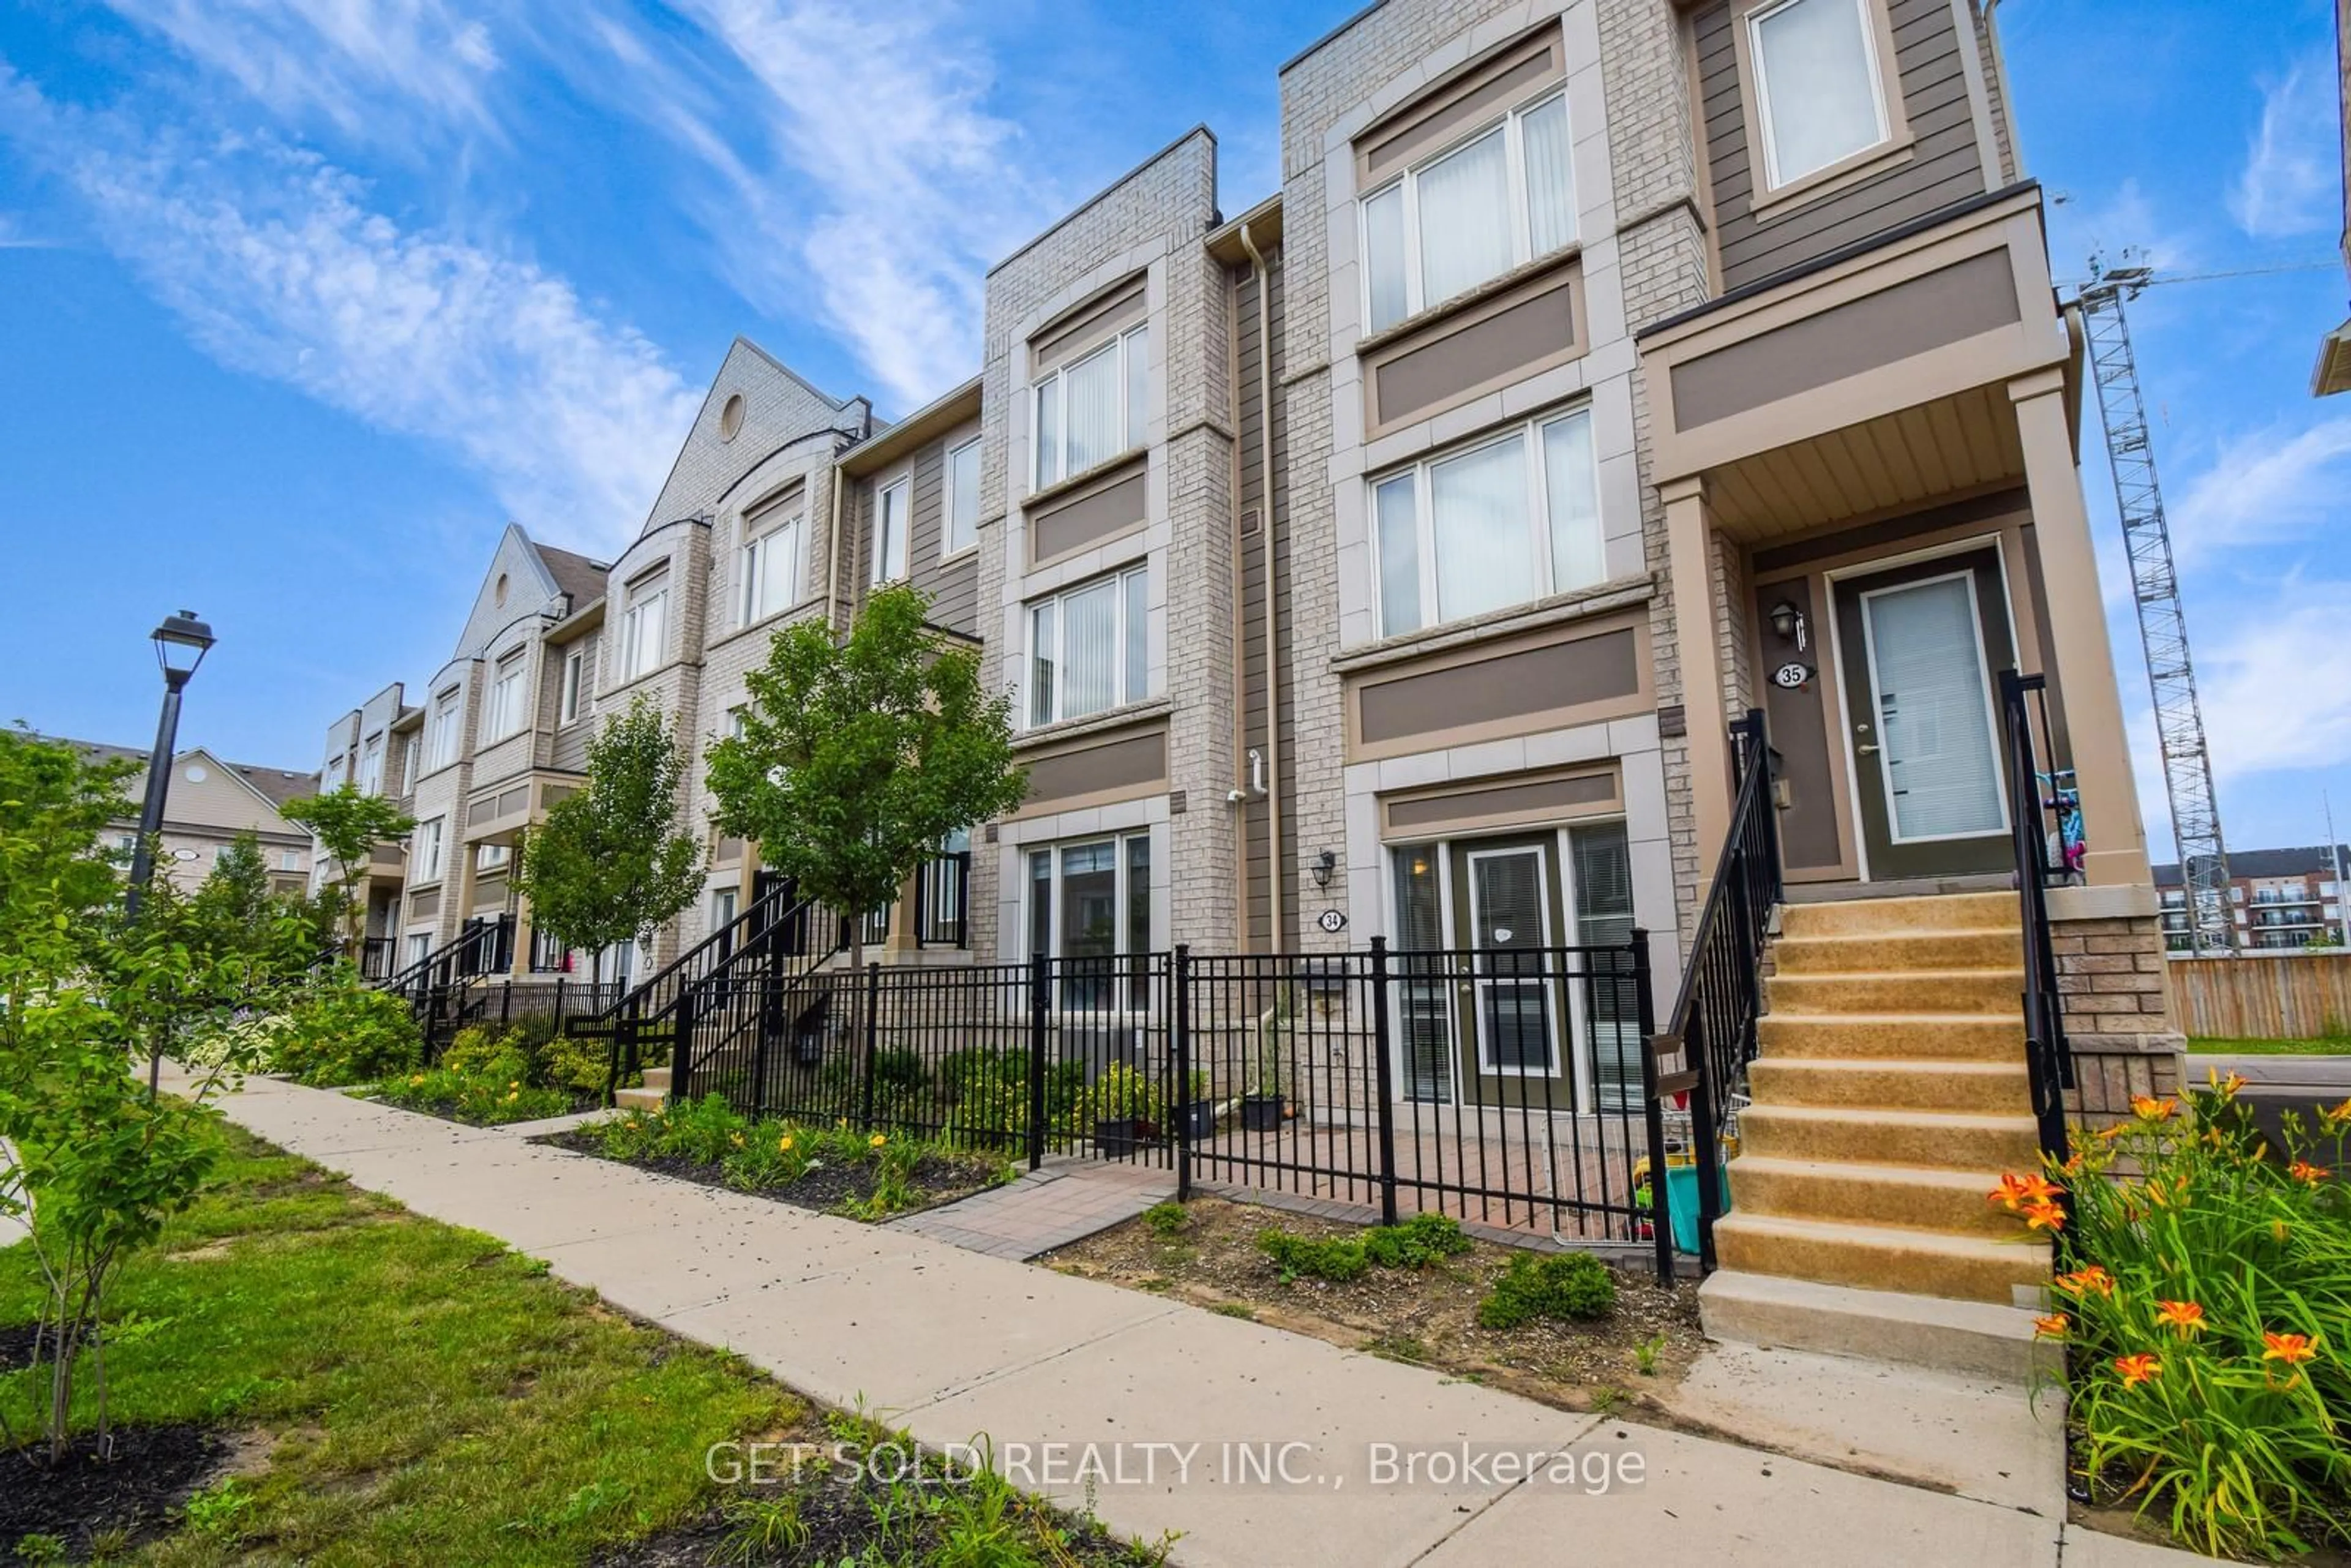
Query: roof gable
{"x": 778, "y": 406}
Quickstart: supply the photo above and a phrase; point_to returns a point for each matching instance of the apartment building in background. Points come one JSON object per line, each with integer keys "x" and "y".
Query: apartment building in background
{"x": 210, "y": 803}
{"x": 1390, "y": 554}
{"x": 2281, "y": 901}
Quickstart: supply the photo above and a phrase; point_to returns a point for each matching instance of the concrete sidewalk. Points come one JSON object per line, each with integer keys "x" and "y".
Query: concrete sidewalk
{"x": 952, "y": 1344}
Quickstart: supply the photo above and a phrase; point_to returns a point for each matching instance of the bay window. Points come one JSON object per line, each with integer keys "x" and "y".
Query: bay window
{"x": 770, "y": 567}
{"x": 1494, "y": 201}
{"x": 504, "y": 712}
{"x": 889, "y": 531}
{"x": 1090, "y": 904}
{"x": 959, "y": 530}
{"x": 1820, "y": 97}
{"x": 1092, "y": 409}
{"x": 644, "y": 628}
{"x": 1089, "y": 648}
{"x": 1505, "y": 522}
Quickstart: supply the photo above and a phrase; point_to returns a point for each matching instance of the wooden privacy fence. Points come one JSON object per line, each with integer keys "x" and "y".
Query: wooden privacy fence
{"x": 2298, "y": 996}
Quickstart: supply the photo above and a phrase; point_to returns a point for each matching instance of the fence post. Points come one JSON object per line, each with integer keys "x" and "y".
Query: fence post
{"x": 681, "y": 1049}
{"x": 506, "y": 1003}
{"x": 1040, "y": 980}
{"x": 1383, "y": 1080}
{"x": 559, "y": 1003}
{"x": 1704, "y": 1150}
{"x": 1661, "y": 1220}
{"x": 873, "y": 1033}
{"x": 1179, "y": 1098}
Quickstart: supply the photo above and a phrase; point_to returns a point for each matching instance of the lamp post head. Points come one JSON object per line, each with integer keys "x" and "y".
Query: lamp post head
{"x": 181, "y": 643}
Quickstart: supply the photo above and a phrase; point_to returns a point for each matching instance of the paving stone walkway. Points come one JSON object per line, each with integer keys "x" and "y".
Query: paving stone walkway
{"x": 1262, "y": 1448}
{"x": 1065, "y": 1202}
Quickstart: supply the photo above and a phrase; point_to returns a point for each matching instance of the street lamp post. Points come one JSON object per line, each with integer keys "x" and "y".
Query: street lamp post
{"x": 180, "y": 645}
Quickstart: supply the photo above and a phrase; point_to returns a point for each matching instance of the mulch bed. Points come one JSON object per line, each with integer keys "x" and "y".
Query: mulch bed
{"x": 136, "y": 1494}
{"x": 447, "y": 1110}
{"x": 1425, "y": 1316}
{"x": 937, "y": 1179}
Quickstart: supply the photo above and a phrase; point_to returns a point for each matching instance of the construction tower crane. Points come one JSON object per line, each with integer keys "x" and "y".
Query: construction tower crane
{"x": 2162, "y": 625}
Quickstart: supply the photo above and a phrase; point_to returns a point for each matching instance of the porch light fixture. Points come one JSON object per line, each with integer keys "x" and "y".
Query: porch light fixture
{"x": 1325, "y": 862}
{"x": 1789, "y": 624}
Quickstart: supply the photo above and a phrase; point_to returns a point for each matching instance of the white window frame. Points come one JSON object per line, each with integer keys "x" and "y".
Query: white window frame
{"x": 289, "y": 859}
{"x": 1530, "y": 434}
{"x": 952, "y": 523}
{"x": 648, "y": 592}
{"x": 1124, "y": 596}
{"x": 903, "y": 486}
{"x": 443, "y": 728}
{"x": 371, "y": 765}
{"x": 1132, "y": 424}
{"x": 412, "y": 760}
{"x": 504, "y": 713}
{"x": 1521, "y": 221}
{"x": 490, "y": 858}
{"x": 759, "y": 539}
{"x": 431, "y": 845}
{"x": 1774, "y": 178}
{"x": 575, "y": 669}
{"x": 1122, "y": 901}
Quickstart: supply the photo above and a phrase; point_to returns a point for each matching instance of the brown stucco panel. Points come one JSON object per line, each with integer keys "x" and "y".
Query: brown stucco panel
{"x": 1131, "y": 765}
{"x": 1088, "y": 518}
{"x": 1523, "y": 684}
{"x": 1486, "y": 350}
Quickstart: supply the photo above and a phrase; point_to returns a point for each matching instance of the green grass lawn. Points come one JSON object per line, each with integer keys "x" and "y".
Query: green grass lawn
{"x": 2216, "y": 1047}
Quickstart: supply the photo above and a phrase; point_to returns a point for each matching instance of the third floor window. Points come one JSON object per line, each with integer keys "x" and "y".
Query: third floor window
{"x": 770, "y": 568}
{"x": 644, "y": 628}
{"x": 889, "y": 531}
{"x": 441, "y": 741}
{"x": 960, "y": 530}
{"x": 505, "y": 714}
{"x": 1820, "y": 97}
{"x": 1092, "y": 409}
{"x": 1472, "y": 213}
{"x": 372, "y": 766}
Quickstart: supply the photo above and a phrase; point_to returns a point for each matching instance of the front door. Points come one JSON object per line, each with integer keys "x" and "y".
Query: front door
{"x": 1920, "y": 646}
{"x": 1509, "y": 998}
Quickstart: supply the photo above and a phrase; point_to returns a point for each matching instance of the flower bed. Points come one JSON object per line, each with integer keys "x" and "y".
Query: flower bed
{"x": 838, "y": 1169}
{"x": 2207, "y": 1321}
{"x": 492, "y": 1078}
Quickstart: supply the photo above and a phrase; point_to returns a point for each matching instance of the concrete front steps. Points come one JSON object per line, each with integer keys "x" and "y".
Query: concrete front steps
{"x": 1889, "y": 1094}
{"x": 651, "y": 1097}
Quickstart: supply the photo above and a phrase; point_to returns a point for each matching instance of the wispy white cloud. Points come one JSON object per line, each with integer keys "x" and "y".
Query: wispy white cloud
{"x": 278, "y": 267}
{"x": 360, "y": 64}
{"x": 15, "y": 236}
{"x": 2276, "y": 682}
{"x": 2283, "y": 482}
{"x": 2288, "y": 185}
{"x": 2124, "y": 226}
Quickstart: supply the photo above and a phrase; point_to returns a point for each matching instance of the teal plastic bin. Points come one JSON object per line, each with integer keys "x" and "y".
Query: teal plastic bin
{"x": 1681, "y": 1202}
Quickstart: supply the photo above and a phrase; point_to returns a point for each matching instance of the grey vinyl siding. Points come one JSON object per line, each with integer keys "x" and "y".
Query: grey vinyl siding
{"x": 1944, "y": 166}
{"x": 953, "y": 586}
{"x": 569, "y": 752}
{"x": 1250, "y": 408}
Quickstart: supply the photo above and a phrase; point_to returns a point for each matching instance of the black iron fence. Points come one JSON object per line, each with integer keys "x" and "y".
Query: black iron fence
{"x": 2048, "y": 834}
{"x": 1509, "y": 1090}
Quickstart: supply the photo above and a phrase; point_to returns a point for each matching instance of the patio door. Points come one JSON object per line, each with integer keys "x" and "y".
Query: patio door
{"x": 1919, "y": 647}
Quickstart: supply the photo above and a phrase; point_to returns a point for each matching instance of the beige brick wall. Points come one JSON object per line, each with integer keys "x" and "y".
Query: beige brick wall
{"x": 2117, "y": 1013}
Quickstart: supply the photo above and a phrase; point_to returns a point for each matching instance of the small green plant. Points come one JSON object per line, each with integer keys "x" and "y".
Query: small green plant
{"x": 41, "y": 1549}
{"x": 1644, "y": 1354}
{"x": 1168, "y": 1218}
{"x": 1402, "y": 1347}
{"x": 1240, "y": 1309}
{"x": 1420, "y": 1241}
{"x": 339, "y": 1032}
{"x": 1560, "y": 1286}
{"x": 1337, "y": 1260}
{"x": 219, "y": 1510}
{"x": 759, "y": 1529}
{"x": 1608, "y": 1398}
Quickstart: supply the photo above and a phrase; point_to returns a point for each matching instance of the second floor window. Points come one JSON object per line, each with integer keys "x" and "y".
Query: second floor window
{"x": 428, "y": 850}
{"x": 1089, "y": 648}
{"x": 644, "y": 628}
{"x": 575, "y": 674}
{"x": 442, "y": 738}
{"x": 890, "y": 527}
{"x": 372, "y": 766}
{"x": 960, "y": 527}
{"x": 1506, "y": 521}
{"x": 770, "y": 568}
{"x": 505, "y": 713}
{"x": 1500, "y": 198}
{"x": 1091, "y": 410}
{"x": 1819, "y": 96}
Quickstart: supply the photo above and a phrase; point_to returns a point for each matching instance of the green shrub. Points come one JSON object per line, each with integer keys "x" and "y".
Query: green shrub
{"x": 2208, "y": 1332}
{"x": 342, "y": 1032}
{"x": 1295, "y": 1255}
{"x": 1168, "y": 1218}
{"x": 1565, "y": 1286}
{"x": 1417, "y": 1243}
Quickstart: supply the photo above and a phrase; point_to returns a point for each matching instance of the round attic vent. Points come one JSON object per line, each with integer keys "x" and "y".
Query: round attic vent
{"x": 196, "y": 774}
{"x": 499, "y": 592}
{"x": 730, "y": 417}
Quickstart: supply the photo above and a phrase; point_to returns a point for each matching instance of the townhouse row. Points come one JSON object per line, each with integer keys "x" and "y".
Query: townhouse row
{"x": 1391, "y": 556}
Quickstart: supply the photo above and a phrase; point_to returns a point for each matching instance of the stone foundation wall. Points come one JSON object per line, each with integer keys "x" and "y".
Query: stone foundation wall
{"x": 2118, "y": 1018}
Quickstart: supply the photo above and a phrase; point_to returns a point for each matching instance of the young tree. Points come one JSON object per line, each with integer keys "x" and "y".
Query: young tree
{"x": 858, "y": 757}
{"x": 608, "y": 864}
{"x": 348, "y": 825}
{"x": 236, "y": 891}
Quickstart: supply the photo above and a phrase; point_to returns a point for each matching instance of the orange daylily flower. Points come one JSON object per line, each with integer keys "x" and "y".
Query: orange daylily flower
{"x": 2073, "y": 1163}
{"x": 2337, "y": 1116}
{"x": 2053, "y": 1326}
{"x": 2290, "y": 1348}
{"x": 2086, "y": 1281}
{"x": 2015, "y": 1191}
{"x": 2113, "y": 1131}
{"x": 2138, "y": 1369}
{"x": 2188, "y": 1317}
{"x": 2304, "y": 1171}
{"x": 2148, "y": 1109}
{"x": 2041, "y": 1214}
{"x": 2225, "y": 1087}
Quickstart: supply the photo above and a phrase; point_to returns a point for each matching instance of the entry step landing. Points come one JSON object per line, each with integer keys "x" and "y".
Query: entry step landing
{"x": 1062, "y": 1203}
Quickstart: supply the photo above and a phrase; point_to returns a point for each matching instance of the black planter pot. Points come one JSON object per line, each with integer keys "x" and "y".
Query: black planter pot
{"x": 1261, "y": 1113}
{"x": 1200, "y": 1121}
{"x": 1125, "y": 1135}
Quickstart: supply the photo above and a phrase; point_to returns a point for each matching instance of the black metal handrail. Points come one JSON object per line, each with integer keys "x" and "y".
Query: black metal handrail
{"x": 2049, "y": 1058}
{"x": 1712, "y": 1026}
{"x": 656, "y": 996}
{"x": 455, "y": 960}
{"x": 781, "y": 988}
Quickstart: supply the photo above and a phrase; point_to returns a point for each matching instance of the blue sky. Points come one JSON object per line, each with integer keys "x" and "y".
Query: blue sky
{"x": 302, "y": 299}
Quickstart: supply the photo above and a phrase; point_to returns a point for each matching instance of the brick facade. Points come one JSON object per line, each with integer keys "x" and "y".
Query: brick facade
{"x": 2118, "y": 1019}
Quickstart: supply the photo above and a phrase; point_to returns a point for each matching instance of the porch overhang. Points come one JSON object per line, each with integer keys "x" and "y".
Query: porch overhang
{"x": 498, "y": 812}
{"x": 1879, "y": 381}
